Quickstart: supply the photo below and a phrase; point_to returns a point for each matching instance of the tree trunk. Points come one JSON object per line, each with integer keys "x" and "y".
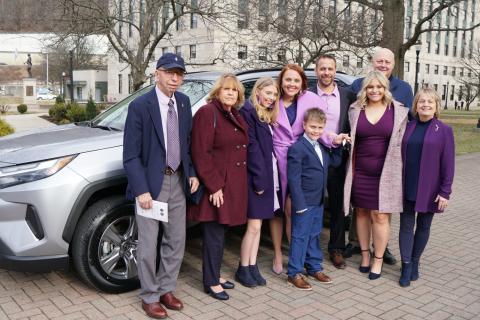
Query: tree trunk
{"x": 392, "y": 37}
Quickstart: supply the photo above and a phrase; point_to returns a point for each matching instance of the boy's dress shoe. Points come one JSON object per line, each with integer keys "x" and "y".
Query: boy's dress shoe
{"x": 171, "y": 302}
{"x": 154, "y": 310}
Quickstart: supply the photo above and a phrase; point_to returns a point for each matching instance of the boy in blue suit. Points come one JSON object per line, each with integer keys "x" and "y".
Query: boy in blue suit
{"x": 307, "y": 169}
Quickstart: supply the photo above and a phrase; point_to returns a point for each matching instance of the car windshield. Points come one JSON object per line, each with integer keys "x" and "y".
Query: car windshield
{"x": 114, "y": 118}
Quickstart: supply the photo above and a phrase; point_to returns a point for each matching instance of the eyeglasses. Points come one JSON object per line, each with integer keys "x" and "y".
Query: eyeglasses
{"x": 171, "y": 72}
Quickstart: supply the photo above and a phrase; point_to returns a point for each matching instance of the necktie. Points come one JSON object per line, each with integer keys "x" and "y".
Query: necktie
{"x": 173, "y": 139}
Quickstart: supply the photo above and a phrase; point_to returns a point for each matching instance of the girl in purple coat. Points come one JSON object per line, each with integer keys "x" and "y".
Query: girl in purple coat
{"x": 428, "y": 153}
{"x": 260, "y": 113}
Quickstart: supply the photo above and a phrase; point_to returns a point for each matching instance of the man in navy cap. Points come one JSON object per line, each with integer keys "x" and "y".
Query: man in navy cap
{"x": 157, "y": 162}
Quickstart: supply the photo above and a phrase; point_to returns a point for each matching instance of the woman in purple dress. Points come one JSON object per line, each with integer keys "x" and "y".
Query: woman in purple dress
{"x": 374, "y": 177}
{"x": 260, "y": 113}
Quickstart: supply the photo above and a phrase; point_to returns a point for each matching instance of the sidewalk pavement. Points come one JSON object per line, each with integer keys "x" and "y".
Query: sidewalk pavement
{"x": 29, "y": 121}
{"x": 448, "y": 288}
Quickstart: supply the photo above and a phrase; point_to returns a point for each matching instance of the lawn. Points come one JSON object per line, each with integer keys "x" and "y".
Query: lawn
{"x": 464, "y": 124}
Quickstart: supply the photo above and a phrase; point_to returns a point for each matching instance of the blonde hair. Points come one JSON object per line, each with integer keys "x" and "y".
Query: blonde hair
{"x": 432, "y": 94}
{"x": 267, "y": 115}
{"x": 228, "y": 78}
{"x": 380, "y": 77}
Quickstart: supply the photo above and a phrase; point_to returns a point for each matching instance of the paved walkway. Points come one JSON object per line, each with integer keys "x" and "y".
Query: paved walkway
{"x": 25, "y": 122}
{"x": 449, "y": 287}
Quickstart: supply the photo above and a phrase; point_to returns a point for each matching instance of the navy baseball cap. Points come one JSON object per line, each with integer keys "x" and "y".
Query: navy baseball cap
{"x": 171, "y": 61}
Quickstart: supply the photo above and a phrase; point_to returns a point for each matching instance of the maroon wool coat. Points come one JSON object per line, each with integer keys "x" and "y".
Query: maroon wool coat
{"x": 219, "y": 153}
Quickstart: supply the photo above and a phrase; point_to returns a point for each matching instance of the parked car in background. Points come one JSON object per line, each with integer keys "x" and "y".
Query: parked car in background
{"x": 62, "y": 193}
{"x": 45, "y": 94}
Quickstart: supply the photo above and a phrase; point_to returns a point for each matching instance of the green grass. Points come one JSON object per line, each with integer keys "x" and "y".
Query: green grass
{"x": 464, "y": 124}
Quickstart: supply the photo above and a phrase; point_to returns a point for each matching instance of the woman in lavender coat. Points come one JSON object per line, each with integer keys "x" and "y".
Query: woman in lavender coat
{"x": 294, "y": 101}
{"x": 428, "y": 153}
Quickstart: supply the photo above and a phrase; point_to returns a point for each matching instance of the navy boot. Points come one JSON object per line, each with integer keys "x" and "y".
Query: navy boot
{"x": 244, "y": 276}
{"x": 406, "y": 274}
{"x": 415, "y": 275}
{"x": 256, "y": 275}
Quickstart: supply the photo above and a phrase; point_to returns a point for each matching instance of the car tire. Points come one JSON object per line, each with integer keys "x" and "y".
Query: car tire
{"x": 104, "y": 245}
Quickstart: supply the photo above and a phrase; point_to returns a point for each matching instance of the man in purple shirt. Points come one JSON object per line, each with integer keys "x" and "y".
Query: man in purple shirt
{"x": 337, "y": 101}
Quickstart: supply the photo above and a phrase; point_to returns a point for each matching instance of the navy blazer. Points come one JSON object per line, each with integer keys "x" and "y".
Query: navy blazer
{"x": 144, "y": 155}
{"x": 307, "y": 177}
{"x": 259, "y": 164}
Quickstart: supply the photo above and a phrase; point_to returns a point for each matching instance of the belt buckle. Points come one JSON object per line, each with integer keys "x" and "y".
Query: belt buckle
{"x": 169, "y": 171}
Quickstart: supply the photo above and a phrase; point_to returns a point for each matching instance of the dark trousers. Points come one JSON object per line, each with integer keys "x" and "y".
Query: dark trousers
{"x": 413, "y": 243}
{"x": 335, "y": 183}
{"x": 305, "y": 248}
{"x": 213, "y": 242}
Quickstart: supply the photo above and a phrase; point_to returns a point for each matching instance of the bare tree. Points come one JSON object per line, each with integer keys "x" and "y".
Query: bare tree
{"x": 470, "y": 79}
{"x": 133, "y": 28}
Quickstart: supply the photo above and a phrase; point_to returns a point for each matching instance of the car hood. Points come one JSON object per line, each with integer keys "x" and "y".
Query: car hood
{"x": 55, "y": 142}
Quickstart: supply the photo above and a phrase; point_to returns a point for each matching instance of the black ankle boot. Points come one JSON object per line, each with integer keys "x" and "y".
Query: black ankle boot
{"x": 406, "y": 274}
{"x": 415, "y": 274}
{"x": 256, "y": 275}
{"x": 244, "y": 276}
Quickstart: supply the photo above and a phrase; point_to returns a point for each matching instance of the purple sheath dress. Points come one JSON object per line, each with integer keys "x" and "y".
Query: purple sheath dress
{"x": 369, "y": 155}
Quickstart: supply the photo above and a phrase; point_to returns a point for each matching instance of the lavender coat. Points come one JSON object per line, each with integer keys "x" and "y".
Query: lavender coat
{"x": 390, "y": 197}
{"x": 259, "y": 165}
{"x": 437, "y": 164}
{"x": 285, "y": 135}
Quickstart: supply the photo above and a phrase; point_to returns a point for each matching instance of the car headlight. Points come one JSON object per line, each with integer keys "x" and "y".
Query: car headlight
{"x": 14, "y": 175}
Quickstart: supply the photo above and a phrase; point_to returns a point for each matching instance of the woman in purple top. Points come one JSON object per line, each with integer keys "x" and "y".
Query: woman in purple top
{"x": 260, "y": 113}
{"x": 294, "y": 101}
{"x": 428, "y": 152}
{"x": 374, "y": 175}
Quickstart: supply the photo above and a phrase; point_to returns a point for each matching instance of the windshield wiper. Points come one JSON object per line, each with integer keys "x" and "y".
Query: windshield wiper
{"x": 104, "y": 127}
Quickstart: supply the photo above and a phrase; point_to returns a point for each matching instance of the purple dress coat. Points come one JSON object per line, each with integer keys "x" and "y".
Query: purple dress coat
{"x": 259, "y": 165}
{"x": 437, "y": 164}
{"x": 284, "y": 134}
{"x": 370, "y": 149}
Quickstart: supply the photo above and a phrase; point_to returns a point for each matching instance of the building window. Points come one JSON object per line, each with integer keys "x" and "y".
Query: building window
{"x": 446, "y": 49}
{"x": 461, "y": 72}
{"x": 262, "y": 53}
{"x": 435, "y": 86}
{"x": 142, "y": 13}
{"x": 164, "y": 50}
{"x": 193, "y": 16}
{"x": 120, "y": 84}
{"x": 429, "y": 46}
{"x": 359, "y": 62}
{"x": 454, "y": 50}
{"x": 427, "y": 68}
{"x": 346, "y": 61}
{"x": 178, "y": 50}
{"x": 120, "y": 16}
{"x": 454, "y": 70}
{"x": 437, "y": 48}
{"x": 193, "y": 51}
{"x": 263, "y": 8}
{"x": 445, "y": 70}
{"x": 282, "y": 55}
{"x": 79, "y": 93}
{"x": 242, "y": 22}
{"x": 242, "y": 52}
{"x": 130, "y": 83}
{"x": 435, "y": 69}
{"x": 407, "y": 66}
{"x": 130, "y": 18}
{"x": 452, "y": 92}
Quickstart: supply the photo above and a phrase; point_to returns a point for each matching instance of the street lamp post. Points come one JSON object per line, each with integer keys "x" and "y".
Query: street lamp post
{"x": 446, "y": 96}
{"x": 63, "y": 85}
{"x": 418, "y": 47}
{"x": 71, "y": 76}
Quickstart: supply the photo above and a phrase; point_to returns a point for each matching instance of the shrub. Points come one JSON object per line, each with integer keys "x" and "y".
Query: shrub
{"x": 59, "y": 99}
{"x": 22, "y": 108}
{"x": 90, "y": 110}
{"x": 58, "y": 112}
{"x": 4, "y": 108}
{"x": 75, "y": 113}
{"x": 64, "y": 121}
{"x": 5, "y": 128}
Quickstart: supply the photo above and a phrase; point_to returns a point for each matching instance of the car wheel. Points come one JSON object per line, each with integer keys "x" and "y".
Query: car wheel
{"x": 104, "y": 245}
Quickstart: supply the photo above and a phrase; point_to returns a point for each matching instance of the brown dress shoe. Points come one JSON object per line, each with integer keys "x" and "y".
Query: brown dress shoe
{"x": 171, "y": 302}
{"x": 154, "y": 310}
{"x": 337, "y": 259}
{"x": 299, "y": 281}
{"x": 321, "y": 277}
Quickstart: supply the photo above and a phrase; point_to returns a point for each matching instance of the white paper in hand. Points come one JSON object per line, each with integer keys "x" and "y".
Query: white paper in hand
{"x": 159, "y": 210}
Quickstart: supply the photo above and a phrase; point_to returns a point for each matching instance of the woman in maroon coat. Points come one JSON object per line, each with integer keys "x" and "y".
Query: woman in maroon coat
{"x": 219, "y": 154}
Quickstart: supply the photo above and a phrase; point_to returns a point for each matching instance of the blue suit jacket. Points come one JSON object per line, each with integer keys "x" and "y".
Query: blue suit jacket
{"x": 144, "y": 155}
{"x": 307, "y": 177}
